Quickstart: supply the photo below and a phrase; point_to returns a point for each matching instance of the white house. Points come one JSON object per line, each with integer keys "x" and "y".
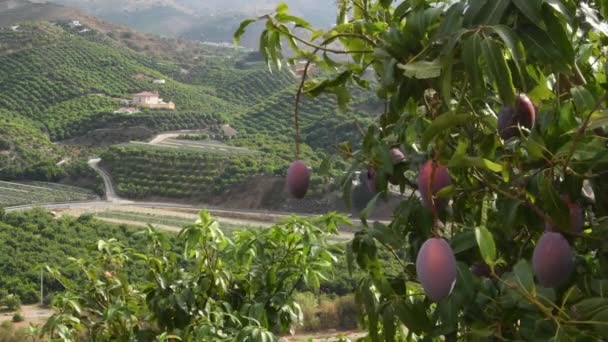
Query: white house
{"x": 160, "y": 81}
{"x": 151, "y": 100}
{"x": 146, "y": 97}
{"x": 15, "y": 28}
{"x": 75, "y": 23}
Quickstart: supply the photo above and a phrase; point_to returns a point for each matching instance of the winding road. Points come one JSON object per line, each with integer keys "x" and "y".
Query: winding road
{"x": 113, "y": 199}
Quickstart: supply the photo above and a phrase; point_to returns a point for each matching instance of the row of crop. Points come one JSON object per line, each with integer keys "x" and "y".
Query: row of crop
{"x": 142, "y": 172}
{"x": 13, "y": 194}
{"x": 51, "y": 84}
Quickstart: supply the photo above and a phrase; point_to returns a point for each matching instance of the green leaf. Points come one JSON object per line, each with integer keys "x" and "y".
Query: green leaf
{"x": 493, "y": 12}
{"x": 485, "y": 163}
{"x": 474, "y": 8}
{"x": 446, "y": 79}
{"x": 559, "y": 7}
{"x": 274, "y": 46}
{"x": 386, "y": 3}
{"x": 531, "y": 9}
{"x": 452, "y": 21}
{"x": 471, "y": 54}
{"x": 499, "y": 70}
{"x": 463, "y": 241}
{"x": 442, "y": 123}
{"x": 558, "y": 34}
{"x": 299, "y": 22}
{"x": 512, "y": 43}
{"x": 583, "y": 99}
{"x": 486, "y": 244}
{"x": 598, "y": 120}
{"x": 282, "y": 7}
{"x": 413, "y": 316}
{"x": 421, "y": 69}
{"x": 524, "y": 276}
{"x": 539, "y": 44}
{"x": 552, "y": 202}
{"x": 369, "y": 209}
{"x": 241, "y": 30}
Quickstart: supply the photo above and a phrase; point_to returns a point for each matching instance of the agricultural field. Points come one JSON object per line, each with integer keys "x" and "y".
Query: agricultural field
{"x": 15, "y": 194}
{"x": 144, "y": 170}
{"x": 173, "y": 220}
{"x": 64, "y": 80}
{"x": 204, "y": 146}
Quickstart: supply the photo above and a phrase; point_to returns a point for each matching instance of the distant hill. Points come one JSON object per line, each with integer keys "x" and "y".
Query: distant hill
{"x": 13, "y": 12}
{"x": 209, "y": 20}
{"x": 65, "y": 84}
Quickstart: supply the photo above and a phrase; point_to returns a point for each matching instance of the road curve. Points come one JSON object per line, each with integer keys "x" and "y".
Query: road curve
{"x": 107, "y": 182}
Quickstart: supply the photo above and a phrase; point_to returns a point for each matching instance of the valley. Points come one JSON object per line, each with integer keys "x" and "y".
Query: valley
{"x": 106, "y": 132}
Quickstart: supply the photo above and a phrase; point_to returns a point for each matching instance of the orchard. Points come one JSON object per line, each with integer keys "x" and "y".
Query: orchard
{"x": 494, "y": 132}
{"x": 494, "y": 129}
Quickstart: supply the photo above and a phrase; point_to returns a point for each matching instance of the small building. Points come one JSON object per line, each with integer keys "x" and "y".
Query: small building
{"x": 84, "y": 30}
{"x": 300, "y": 67}
{"x": 151, "y": 100}
{"x": 75, "y": 23}
{"x": 146, "y": 97}
{"x": 15, "y": 28}
{"x": 229, "y": 132}
{"x": 159, "y": 81}
{"x": 127, "y": 110}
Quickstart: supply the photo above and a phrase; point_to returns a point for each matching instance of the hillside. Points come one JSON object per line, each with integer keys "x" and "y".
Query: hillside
{"x": 22, "y": 145}
{"x": 65, "y": 81}
{"x": 15, "y": 12}
{"x": 213, "y": 21}
{"x": 61, "y": 85}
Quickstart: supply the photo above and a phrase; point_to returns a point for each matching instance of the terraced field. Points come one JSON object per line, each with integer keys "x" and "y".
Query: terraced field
{"x": 15, "y": 194}
{"x": 142, "y": 170}
{"x": 205, "y": 146}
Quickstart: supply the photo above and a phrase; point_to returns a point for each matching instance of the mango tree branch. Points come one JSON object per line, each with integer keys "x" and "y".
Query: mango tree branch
{"x": 582, "y": 130}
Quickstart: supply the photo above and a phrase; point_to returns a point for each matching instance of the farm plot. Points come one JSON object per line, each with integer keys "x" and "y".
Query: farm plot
{"x": 210, "y": 146}
{"x": 15, "y": 194}
{"x": 165, "y": 220}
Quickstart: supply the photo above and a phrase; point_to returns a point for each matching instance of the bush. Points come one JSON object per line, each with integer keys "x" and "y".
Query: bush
{"x": 18, "y": 317}
{"x": 347, "y": 312}
{"x": 308, "y": 303}
{"x": 327, "y": 312}
{"x": 11, "y": 302}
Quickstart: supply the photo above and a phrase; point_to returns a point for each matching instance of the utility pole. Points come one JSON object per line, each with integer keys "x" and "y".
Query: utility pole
{"x": 41, "y": 288}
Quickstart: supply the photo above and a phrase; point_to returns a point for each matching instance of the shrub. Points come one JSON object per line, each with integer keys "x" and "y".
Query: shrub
{"x": 18, "y": 317}
{"x": 11, "y": 302}
{"x": 347, "y": 312}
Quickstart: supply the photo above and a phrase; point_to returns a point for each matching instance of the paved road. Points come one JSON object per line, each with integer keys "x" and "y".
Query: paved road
{"x": 170, "y": 135}
{"x": 112, "y": 199}
{"x": 107, "y": 182}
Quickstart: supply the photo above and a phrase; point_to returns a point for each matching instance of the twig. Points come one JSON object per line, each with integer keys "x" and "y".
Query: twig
{"x": 582, "y": 131}
{"x": 531, "y": 205}
{"x": 296, "y": 112}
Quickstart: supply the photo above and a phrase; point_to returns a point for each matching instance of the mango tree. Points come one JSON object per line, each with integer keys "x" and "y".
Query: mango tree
{"x": 494, "y": 132}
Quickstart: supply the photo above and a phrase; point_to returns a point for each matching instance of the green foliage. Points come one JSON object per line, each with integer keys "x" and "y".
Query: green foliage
{"x": 18, "y": 317}
{"x": 444, "y": 70}
{"x": 25, "y": 146}
{"x": 35, "y": 238}
{"x": 148, "y": 171}
{"x": 217, "y": 288}
{"x": 11, "y": 302}
{"x": 15, "y": 194}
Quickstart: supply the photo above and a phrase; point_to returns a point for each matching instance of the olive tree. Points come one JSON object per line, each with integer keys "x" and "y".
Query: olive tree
{"x": 499, "y": 108}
